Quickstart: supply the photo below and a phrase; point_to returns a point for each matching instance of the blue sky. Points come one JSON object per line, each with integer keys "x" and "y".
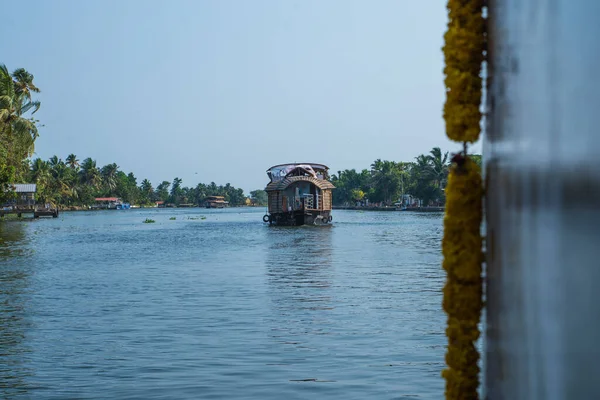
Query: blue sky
{"x": 221, "y": 90}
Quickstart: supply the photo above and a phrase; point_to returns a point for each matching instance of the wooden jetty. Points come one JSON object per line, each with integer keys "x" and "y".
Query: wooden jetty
{"x": 34, "y": 211}
{"x": 25, "y": 203}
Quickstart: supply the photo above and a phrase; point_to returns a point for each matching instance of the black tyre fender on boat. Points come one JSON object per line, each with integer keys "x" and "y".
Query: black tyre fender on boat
{"x": 330, "y": 218}
{"x": 266, "y": 218}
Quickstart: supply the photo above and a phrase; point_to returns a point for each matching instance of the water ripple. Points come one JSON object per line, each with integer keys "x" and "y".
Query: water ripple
{"x": 217, "y": 305}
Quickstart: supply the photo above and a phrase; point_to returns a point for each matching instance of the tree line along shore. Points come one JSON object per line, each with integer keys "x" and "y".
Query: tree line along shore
{"x": 75, "y": 184}
{"x": 418, "y": 183}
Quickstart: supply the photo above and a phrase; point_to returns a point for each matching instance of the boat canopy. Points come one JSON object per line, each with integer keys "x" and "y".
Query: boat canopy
{"x": 279, "y": 172}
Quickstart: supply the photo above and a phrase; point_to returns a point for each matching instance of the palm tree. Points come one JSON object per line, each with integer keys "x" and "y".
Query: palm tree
{"x": 40, "y": 174}
{"x": 386, "y": 178}
{"x": 54, "y": 161}
{"x": 17, "y": 132}
{"x": 72, "y": 161}
{"x": 23, "y": 87}
{"x": 404, "y": 172}
{"x": 89, "y": 173}
{"x": 39, "y": 170}
{"x": 147, "y": 191}
{"x": 421, "y": 174}
{"x": 146, "y": 186}
{"x": 24, "y": 83}
{"x": 162, "y": 190}
{"x": 439, "y": 166}
{"x": 176, "y": 191}
{"x": 430, "y": 174}
{"x": 199, "y": 193}
{"x": 422, "y": 164}
{"x": 109, "y": 176}
{"x": 76, "y": 192}
{"x": 62, "y": 182}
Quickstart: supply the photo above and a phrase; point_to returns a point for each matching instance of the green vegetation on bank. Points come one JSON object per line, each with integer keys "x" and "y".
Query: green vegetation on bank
{"x": 71, "y": 183}
{"x": 18, "y": 128}
{"x": 258, "y": 197}
{"x": 386, "y": 181}
{"x": 74, "y": 183}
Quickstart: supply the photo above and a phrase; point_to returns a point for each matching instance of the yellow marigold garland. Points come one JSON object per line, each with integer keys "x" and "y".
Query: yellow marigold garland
{"x": 463, "y": 54}
{"x": 461, "y": 246}
{"x": 462, "y": 302}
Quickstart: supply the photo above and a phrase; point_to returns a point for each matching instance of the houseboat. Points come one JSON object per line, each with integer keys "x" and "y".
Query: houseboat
{"x": 299, "y": 194}
{"x": 216, "y": 202}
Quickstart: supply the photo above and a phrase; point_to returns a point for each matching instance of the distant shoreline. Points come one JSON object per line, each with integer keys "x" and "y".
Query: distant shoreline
{"x": 80, "y": 208}
{"x": 414, "y": 209}
{"x": 346, "y": 208}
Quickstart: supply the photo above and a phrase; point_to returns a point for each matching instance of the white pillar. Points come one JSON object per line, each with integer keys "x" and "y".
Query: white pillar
{"x": 542, "y": 159}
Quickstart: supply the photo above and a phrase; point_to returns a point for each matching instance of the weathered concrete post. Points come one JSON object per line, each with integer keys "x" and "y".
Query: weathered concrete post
{"x": 542, "y": 156}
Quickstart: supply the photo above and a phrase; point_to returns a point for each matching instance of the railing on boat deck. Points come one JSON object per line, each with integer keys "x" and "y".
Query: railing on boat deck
{"x": 305, "y": 202}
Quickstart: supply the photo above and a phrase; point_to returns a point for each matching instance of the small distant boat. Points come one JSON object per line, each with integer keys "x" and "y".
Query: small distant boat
{"x": 216, "y": 202}
{"x": 123, "y": 206}
{"x": 110, "y": 203}
{"x": 299, "y": 194}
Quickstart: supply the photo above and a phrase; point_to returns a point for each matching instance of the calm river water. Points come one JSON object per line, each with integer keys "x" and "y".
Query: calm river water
{"x": 101, "y": 305}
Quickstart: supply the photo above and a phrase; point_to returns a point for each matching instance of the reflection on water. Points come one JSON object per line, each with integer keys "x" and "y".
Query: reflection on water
{"x": 425, "y": 237}
{"x": 12, "y": 239}
{"x": 299, "y": 259}
{"x": 14, "y": 321}
{"x": 299, "y": 273}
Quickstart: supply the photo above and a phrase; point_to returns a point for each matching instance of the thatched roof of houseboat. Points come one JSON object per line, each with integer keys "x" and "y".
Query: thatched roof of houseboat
{"x": 284, "y": 183}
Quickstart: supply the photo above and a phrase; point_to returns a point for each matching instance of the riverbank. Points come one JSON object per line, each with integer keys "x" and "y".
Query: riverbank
{"x": 88, "y": 208}
{"x": 414, "y": 209}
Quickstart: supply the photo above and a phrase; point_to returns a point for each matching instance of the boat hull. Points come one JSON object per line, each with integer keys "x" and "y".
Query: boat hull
{"x": 298, "y": 218}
